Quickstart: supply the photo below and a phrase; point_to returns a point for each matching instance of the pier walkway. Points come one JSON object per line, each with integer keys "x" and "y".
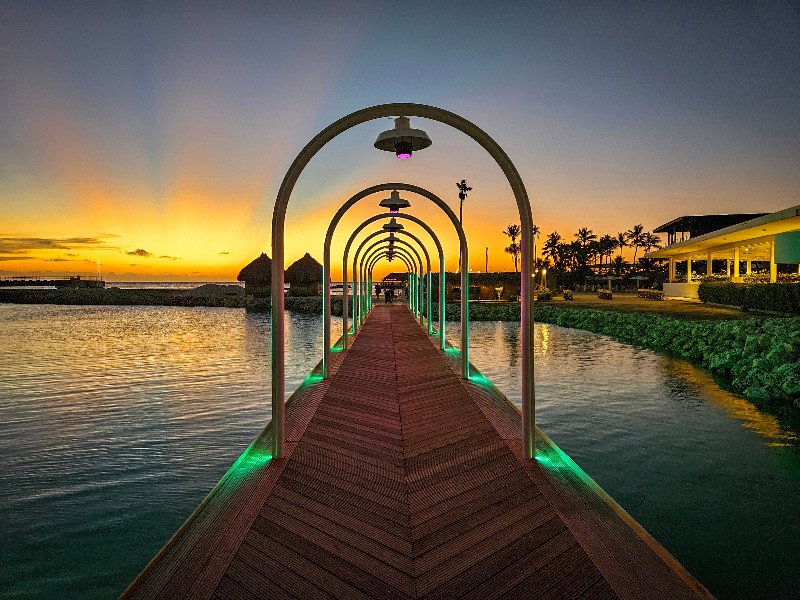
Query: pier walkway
{"x": 402, "y": 480}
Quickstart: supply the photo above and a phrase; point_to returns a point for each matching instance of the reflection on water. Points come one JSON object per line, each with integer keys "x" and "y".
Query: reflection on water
{"x": 116, "y": 421}
{"x": 714, "y": 479}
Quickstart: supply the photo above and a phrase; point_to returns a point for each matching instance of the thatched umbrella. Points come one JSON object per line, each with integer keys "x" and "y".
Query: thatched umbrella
{"x": 257, "y": 276}
{"x": 258, "y": 272}
{"x": 304, "y": 276}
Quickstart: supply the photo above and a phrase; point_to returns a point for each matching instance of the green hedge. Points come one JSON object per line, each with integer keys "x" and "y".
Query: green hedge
{"x": 778, "y": 297}
{"x": 760, "y": 358}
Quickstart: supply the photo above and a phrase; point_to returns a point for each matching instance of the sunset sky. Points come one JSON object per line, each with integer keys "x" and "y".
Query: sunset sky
{"x": 153, "y": 136}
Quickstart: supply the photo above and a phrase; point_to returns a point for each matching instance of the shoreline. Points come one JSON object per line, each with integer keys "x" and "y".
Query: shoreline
{"x": 757, "y": 356}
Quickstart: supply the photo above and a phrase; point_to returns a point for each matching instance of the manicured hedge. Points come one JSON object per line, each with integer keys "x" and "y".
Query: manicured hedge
{"x": 778, "y": 297}
{"x": 760, "y": 358}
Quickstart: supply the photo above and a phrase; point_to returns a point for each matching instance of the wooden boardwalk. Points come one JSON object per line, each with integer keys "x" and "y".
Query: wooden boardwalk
{"x": 401, "y": 480}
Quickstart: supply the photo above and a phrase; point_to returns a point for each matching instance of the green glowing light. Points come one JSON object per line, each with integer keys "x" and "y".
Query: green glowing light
{"x": 312, "y": 378}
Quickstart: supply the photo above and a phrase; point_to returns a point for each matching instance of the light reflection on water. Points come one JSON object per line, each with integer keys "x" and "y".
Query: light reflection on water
{"x": 712, "y": 478}
{"x": 116, "y": 421}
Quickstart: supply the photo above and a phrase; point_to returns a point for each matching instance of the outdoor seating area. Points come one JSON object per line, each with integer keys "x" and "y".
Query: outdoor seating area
{"x": 651, "y": 294}
{"x": 768, "y": 243}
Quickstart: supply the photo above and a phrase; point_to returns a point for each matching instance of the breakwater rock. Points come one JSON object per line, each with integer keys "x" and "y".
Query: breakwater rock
{"x": 228, "y": 296}
{"x": 758, "y": 358}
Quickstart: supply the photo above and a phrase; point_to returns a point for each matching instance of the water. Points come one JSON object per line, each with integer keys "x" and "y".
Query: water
{"x": 116, "y": 421}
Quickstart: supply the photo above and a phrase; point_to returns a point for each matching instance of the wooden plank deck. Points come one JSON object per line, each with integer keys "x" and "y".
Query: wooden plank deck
{"x": 401, "y": 480}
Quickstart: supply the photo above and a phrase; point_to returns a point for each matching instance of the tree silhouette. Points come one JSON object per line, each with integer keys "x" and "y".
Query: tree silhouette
{"x": 635, "y": 239}
{"x": 513, "y": 249}
{"x": 513, "y": 231}
{"x": 621, "y": 241}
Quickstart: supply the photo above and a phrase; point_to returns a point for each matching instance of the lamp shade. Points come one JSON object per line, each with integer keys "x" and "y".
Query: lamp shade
{"x": 394, "y": 202}
{"x": 402, "y": 140}
{"x": 393, "y": 226}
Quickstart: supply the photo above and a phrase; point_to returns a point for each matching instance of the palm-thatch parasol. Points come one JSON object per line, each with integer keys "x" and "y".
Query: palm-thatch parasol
{"x": 304, "y": 276}
{"x": 258, "y": 272}
{"x": 304, "y": 270}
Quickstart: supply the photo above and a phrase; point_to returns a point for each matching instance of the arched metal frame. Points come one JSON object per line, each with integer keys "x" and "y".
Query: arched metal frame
{"x": 368, "y": 262}
{"x": 378, "y": 259}
{"x": 326, "y": 261}
{"x": 382, "y": 253}
{"x": 464, "y": 252}
{"x": 428, "y": 304}
{"x": 400, "y": 252}
{"x": 374, "y": 261}
{"x": 277, "y": 341}
{"x": 417, "y": 294}
{"x": 358, "y": 278}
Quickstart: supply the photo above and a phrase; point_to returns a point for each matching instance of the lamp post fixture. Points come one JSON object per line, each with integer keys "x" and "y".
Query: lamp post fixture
{"x": 277, "y": 331}
{"x": 402, "y": 140}
{"x": 394, "y": 202}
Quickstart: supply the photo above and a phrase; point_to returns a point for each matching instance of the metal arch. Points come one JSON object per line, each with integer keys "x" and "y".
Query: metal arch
{"x": 401, "y": 253}
{"x": 277, "y": 341}
{"x": 358, "y": 252}
{"x": 427, "y": 287}
{"x": 326, "y": 307}
{"x": 407, "y": 260}
{"x": 358, "y": 289}
{"x": 464, "y": 276}
{"x": 417, "y": 296}
{"x": 435, "y": 238}
{"x": 382, "y": 252}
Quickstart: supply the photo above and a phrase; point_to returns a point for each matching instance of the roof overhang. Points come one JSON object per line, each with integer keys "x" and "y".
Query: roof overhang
{"x": 753, "y": 235}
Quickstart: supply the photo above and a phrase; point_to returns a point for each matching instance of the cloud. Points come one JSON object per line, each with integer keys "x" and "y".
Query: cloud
{"x": 20, "y": 245}
{"x": 169, "y": 257}
{"x": 23, "y": 257}
{"x": 140, "y": 252}
{"x": 223, "y": 253}
{"x": 58, "y": 259}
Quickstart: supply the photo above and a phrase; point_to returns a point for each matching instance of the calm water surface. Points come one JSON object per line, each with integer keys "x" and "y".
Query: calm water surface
{"x": 116, "y": 421}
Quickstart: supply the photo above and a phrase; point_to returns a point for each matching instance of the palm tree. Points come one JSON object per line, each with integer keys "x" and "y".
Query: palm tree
{"x": 607, "y": 245}
{"x": 513, "y": 249}
{"x": 513, "y": 231}
{"x": 621, "y": 242}
{"x": 635, "y": 237}
{"x": 584, "y": 236}
{"x": 535, "y": 234}
{"x": 650, "y": 241}
{"x": 550, "y": 247}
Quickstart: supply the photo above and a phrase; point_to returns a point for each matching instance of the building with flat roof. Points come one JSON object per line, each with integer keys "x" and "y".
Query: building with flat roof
{"x": 772, "y": 239}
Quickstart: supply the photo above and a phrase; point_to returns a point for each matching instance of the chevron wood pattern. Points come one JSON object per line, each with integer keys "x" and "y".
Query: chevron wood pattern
{"x": 404, "y": 481}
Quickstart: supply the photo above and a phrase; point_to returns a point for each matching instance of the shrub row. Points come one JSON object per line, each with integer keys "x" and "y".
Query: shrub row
{"x": 760, "y": 358}
{"x": 777, "y": 297}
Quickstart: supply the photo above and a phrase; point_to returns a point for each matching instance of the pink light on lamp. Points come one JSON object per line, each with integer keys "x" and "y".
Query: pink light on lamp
{"x": 402, "y": 139}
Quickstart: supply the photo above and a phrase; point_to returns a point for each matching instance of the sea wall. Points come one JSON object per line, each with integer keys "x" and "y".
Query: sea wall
{"x": 207, "y": 295}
